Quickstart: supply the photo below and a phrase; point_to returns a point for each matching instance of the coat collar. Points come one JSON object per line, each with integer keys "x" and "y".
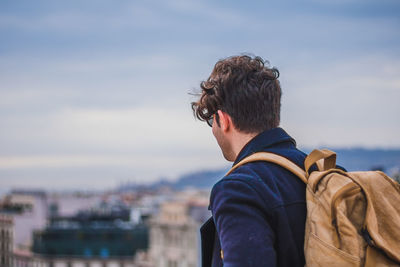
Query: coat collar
{"x": 264, "y": 140}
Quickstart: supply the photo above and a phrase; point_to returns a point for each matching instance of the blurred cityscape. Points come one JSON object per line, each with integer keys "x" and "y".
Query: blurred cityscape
{"x": 120, "y": 228}
{"x": 154, "y": 225}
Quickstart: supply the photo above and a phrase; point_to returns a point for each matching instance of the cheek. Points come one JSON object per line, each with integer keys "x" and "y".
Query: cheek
{"x": 216, "y": 134}
{"x": 219, "y": 138}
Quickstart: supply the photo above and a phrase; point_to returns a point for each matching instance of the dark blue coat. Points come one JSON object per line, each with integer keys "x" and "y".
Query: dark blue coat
{"x": 259, "y": 210}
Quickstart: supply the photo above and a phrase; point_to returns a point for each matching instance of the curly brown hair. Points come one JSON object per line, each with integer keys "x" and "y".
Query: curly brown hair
{"x": 244, "y": 87}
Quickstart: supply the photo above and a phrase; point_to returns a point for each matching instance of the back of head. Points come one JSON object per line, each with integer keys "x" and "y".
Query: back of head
{"x": 247, "y": 89}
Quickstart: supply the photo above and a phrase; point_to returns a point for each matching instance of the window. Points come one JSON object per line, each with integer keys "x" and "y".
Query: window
{"x": 172, "y": 263}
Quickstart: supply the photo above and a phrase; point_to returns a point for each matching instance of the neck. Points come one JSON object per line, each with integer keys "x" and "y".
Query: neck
{"x": 239, "y": 140}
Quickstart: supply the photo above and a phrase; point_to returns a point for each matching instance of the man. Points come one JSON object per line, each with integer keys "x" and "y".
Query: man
{"x": 259, "y": 210}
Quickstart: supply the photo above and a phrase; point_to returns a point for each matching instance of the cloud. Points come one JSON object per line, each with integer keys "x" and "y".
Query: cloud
{"x": 78, "y": 145}
{"x": 137, "y": 129}
{"x": 345, "y": 103}
{"x": 153, "y": 166}
{"x": 93, "y": 89}
{"x": 88, "y": 18}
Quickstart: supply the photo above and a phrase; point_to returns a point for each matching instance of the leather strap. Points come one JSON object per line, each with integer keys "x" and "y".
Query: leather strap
{"x": 273, "y": 158}
{"x": 328, "y": 157}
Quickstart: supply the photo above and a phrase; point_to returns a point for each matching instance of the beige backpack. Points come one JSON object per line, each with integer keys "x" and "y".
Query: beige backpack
{"x": 353, "y": 218}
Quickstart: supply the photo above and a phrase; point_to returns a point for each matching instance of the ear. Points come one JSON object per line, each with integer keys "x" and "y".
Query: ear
{"x": 225, "y": 121}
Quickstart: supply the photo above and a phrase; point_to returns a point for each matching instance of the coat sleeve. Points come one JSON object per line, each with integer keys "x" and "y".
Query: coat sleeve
{"x": 242, "y": 224}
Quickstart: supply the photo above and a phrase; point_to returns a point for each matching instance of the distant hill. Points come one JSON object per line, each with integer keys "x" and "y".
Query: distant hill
{"x": 201, "y": 179}
{"x": 352, "y": 159}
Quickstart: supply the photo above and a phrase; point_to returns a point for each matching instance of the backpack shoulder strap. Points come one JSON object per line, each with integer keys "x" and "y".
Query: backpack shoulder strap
{"x": 273, "y": 158}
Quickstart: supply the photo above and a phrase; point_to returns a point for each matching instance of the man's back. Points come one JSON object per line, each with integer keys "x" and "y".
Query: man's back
{"x": 259, "y": 210}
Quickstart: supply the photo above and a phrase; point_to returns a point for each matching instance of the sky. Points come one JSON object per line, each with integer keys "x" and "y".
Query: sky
{"x": 97, "y": 93}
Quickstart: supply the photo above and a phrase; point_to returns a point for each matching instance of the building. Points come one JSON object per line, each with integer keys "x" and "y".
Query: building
{"x": 6, "y": 240}
{"x": 90, "y": 239}
{"x": 28, "y": 209}
{"x": 174, "y": 234}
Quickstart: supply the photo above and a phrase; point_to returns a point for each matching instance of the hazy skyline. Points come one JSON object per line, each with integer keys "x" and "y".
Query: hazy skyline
{"x": 93, "y": 93}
